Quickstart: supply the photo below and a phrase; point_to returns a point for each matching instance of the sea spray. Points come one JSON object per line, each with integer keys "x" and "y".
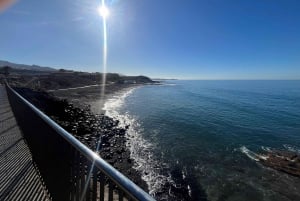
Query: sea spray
{"x": 252, "y": 155}
{"x": 292, "y": 148}
{"x": 141, "y": 151}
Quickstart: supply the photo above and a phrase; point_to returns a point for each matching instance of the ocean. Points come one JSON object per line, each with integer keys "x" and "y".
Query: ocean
{"x": 196, "y": 140}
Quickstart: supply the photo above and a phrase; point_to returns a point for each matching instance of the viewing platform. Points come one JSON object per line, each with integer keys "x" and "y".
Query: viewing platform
{"x": 19, "y": 178}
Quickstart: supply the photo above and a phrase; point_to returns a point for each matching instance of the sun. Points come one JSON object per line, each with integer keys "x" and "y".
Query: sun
{"x": 103, "y": 11}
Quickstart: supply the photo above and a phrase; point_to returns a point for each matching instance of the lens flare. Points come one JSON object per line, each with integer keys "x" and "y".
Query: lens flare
{"x": 103, "y": 11}
{"x": 4, "y": 4}
{"x": 104, "y": 14}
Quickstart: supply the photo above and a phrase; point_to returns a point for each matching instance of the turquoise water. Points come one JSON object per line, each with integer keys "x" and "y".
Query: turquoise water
{"x": 196, "y": 137}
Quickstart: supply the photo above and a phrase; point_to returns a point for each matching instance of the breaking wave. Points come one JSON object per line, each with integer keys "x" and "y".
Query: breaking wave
{"x": 141, "y": 151}
{"x": 252, "y": 155}
{"x": 292, "y": 148}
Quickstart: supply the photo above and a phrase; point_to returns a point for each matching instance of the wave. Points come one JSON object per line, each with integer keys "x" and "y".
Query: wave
{"x": 267, "y": 149}
{"x": 141, "y": 151}
{"x": 252, "y": 155}
{"x": 292, "y": 148}
{"x": 169, "y": 84}
{"x": 257, "y": 157}
{"x": 116, "y": 101}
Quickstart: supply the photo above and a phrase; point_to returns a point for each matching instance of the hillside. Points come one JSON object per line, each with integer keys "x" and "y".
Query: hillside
{"x": 46, "y": 78}
{"x": 25, "y": 67}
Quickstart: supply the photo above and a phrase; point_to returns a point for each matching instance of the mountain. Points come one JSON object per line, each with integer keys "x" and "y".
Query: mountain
{"x": 26, "y": 67}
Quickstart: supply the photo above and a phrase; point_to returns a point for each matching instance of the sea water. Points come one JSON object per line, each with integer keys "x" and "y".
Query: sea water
{"x": 203, "y": 137}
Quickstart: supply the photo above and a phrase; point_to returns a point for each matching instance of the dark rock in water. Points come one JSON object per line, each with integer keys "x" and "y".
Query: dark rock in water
{"x": 185, "y": 187}
{"x": 284, "y": 161}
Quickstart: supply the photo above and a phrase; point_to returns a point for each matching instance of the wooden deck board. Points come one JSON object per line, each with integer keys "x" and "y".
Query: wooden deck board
{"x": 19, "y": 179}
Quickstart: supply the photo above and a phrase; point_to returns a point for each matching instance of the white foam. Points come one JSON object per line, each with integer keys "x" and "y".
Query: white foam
{"x": 115, "y": 102}
{"x": 268, "y": 149}
{"x": 249, "y": 153}
{"x": 141, "y": 151}
{"x": 169, "y": 84}
{"x": 190, "y": 191}
{"x": 292, "y": 148}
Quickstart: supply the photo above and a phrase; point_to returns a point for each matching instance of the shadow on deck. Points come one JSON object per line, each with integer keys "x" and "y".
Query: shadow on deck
{"x": 19, "y": 178}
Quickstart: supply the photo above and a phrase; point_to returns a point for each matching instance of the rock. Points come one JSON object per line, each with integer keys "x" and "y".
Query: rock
{"x": 108, "y": 156}
{"x": 119, "y": 151}
{"x": 283, "y": 161}
{"x": 89, "y": 128}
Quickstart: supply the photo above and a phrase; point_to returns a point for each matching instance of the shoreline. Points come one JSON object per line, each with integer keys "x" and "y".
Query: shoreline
{"x": 113, "y": 137}
{"x": 164, "y": 183}
{"x": 83, "y": 96}
{"x": 93, "y": 130}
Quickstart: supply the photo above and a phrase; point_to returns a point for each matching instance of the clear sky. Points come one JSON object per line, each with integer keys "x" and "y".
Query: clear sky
{"x": 188, "y": 39}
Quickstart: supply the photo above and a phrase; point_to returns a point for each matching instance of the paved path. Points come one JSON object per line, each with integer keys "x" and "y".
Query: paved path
{"x": 87, "y": 86}
{"x": 19, "y": 179}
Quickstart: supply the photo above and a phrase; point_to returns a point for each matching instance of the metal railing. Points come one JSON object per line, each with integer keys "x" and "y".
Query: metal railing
{"x": 69, "y": 169}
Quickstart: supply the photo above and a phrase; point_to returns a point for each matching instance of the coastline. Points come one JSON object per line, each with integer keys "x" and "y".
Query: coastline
{"x": 96, "y": 130}
{"x": 111, "y": 135}
{"x": 163, "y": 182}
{"x": 90, "y": 95}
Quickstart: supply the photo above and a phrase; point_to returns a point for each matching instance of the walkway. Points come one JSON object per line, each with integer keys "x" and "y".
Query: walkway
{"x": 19, "y": 179}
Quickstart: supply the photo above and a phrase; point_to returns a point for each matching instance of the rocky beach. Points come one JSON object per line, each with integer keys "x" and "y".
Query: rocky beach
{"x": 75, "y": 101}
{"x": 72, "y": 109}
{"x": 91, "y": 95}
{"x": 97, "y": 131}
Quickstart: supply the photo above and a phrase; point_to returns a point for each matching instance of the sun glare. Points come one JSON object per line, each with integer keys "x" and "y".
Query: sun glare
{"x": 103, "y": 11}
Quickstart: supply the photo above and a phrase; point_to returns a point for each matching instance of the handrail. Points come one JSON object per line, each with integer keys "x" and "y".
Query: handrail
{"x": 122, "y": 181}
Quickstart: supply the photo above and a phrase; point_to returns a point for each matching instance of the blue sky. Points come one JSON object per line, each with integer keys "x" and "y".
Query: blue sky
{"x": 187, "y": 39}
